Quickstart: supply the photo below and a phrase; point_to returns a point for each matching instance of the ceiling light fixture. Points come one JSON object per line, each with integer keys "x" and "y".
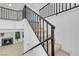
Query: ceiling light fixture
{"x": 10, "y": 5}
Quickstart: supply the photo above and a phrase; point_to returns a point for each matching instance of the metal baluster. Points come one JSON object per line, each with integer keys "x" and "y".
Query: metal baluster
{"x": 74, "y": 4}
{"x": 37, "y": 26}
{"x": 9, "y": 14}
{"x": 33, "y": 21}
{"x": 1, "y": 13}
{"x": 62, "y": 6}
{"x": 40, "y": 29}
{"x": 56, "y": 8}
{"x": 47, "y": 36}
{"x": 66, "y": 6}
{"x": 52, "y": 41}
{"x": 70, "y": 5}
{"x": 6, "y": 13}
{"x": 59, "y": 7}
{"x": 23, "y": 14}
{"x": 43, "y": 32}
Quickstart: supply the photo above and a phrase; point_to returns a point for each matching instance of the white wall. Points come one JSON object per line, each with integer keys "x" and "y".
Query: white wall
{"x": 31, "y": 40}
{"x": 10, "y": 27}
{"x": 6, "y": 24}
{"x": 9, "y": 24}
{"x": 67, "y": 30}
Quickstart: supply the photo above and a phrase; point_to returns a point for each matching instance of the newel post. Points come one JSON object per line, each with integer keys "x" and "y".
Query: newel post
{"x": 52, "y": 41}
{"x": 24, "y": 12}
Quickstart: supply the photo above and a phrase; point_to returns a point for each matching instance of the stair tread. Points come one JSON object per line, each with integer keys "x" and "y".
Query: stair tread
{"x": 62, "y": 53}
{"x": 57, "y": 47}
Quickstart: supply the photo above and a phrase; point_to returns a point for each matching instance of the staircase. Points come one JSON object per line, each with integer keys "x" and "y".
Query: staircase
{"x": 41, "y": 27}
{"x": 45, "y": 33}
{"x": 57, "y": 46}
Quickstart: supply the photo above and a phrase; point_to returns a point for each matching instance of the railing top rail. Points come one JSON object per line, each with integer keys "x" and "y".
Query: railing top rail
{"x": 56, "y": 8}
{"x": 41, "y": 17}
{"x": 37, "y": 45}
{"x": 44, "y": 6}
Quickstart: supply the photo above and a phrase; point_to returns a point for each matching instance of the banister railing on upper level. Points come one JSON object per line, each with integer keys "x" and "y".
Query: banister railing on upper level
{"x": 10, "y": 14}
{"x": 42, "y": 28}
{"x": 56, "y": 8}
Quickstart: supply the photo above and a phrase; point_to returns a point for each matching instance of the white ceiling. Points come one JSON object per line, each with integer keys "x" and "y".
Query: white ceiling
{"x": 16, "y": 6}
{"x": 36, "y": 6}
{"x": 19, "y": 6}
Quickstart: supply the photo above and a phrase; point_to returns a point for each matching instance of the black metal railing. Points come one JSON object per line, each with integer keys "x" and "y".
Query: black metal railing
{"x": 37, "y": 45}
{"x": 10, "y": 14}
{"x": 56, "y": 8}
{"x": 43, "y": 30}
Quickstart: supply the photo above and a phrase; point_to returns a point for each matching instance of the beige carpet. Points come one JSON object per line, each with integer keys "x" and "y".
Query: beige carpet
{"x": 12, "y": 50}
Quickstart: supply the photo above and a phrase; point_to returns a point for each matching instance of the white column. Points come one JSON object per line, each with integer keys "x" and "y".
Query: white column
{"x": 0, "y": 42}
{"x": 14, "y": 40}
{"x": 21, "y": 36}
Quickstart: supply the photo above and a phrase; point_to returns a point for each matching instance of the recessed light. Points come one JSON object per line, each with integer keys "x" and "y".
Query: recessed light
{"x": 10, "y": 5}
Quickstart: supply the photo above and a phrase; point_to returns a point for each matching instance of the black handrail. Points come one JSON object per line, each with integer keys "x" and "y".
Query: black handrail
{"x": 57, "y": 8}
{"x": 37, "y": 45}
{"x": 44, "y": 6}
{"x": 41, "y": 17}
{"x": 38, "y": 25}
